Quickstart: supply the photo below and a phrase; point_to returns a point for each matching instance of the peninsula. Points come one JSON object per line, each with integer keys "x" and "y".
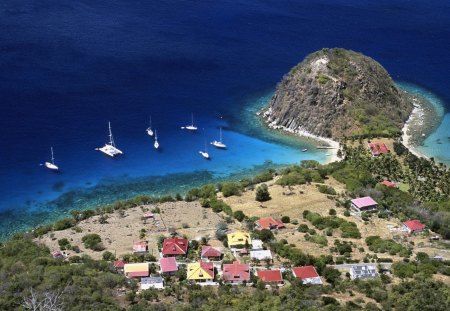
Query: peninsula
{"x": 336, "y": 93}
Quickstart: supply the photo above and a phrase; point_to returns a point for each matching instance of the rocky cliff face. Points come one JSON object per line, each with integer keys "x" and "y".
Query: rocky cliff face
{"x": 336, "y": 93}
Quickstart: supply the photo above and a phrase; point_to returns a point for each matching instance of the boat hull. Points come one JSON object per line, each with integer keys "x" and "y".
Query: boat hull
{"x": 51, "y": 166}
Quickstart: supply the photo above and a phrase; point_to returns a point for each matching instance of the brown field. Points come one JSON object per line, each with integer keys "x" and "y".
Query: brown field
{"x": 119, "y": 233}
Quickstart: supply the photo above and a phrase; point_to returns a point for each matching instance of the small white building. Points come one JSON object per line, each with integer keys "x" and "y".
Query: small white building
{"x": 152, "y": 282}
{"x": 363, "y": 272}
{"x": 262, "y": 254}
{"x": 257, "y": 245}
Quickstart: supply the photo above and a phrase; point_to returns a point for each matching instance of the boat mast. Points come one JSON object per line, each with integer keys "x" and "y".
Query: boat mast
{"x": 111, "y": 139}
{"x": 150, "y": 123}
{"x": 192, "y": 117}
{"x": 220, "y": 134}
{"x": 53, "y": 159}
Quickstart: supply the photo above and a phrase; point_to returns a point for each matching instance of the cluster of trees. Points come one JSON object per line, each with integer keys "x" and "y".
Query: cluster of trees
{"x": 348, "y": 229}
{"x": 378, "y": 245}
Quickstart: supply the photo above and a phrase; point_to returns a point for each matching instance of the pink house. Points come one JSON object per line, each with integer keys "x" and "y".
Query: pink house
{"x": 364, "y": 204}
{"x": 140, "y": 247}
{"x": 236, "y": 273}
{"x": 168, "y": 265}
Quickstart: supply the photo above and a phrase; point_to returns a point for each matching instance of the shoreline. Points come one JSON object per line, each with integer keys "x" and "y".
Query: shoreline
{"x": 422, "y": 122}
{"x": 330, "y": 144}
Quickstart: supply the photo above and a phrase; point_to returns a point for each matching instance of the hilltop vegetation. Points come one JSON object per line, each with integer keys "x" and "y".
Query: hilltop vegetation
{"x": 337, "y": 93}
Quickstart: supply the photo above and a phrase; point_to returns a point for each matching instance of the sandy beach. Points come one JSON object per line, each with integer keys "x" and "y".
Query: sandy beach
{"x": 332, "y": 145}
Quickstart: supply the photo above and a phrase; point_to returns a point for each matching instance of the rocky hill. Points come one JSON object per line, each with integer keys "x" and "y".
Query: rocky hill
{"x": 336, "y": 93}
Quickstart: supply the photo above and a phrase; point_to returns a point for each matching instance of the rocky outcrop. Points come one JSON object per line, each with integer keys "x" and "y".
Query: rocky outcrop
{"x": 335, "y": 93}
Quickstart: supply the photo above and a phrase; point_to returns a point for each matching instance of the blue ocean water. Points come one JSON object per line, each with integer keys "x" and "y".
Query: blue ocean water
{"x": 69, "y": 67}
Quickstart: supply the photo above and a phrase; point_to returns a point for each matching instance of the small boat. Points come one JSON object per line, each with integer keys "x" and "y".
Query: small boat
{"x": 156, "y": 144}
{"x": 51, "y": 165}
{"x": 110, "y": 148}
{"x": 191, "y": 127}
{"x": 149, "y": 129}
{"x": 304, "y": 150}
{"x": 219, "y": 144}
{"x": 204, "y": 153}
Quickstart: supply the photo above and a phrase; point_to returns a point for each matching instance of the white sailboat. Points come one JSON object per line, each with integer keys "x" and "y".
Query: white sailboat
{"x": 219, "y": 143}
{"x": 110, "y": 148}
{"x": 149, "y": 129}
{"x": 51, "y": 165}
{"x": 204, "y": 153}
{"x": 156, "y": 144}
{"x": 190, "y": 127}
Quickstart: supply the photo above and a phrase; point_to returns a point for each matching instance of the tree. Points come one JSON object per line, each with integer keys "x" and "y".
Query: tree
{"x": 239, "y": 215}
{"x": 262, "y": 193}
{"x": 108, "y": 256}
{"x": 92, "y": 241}
{"x": 331, "y": 275}
{"x": 285, "y": 219}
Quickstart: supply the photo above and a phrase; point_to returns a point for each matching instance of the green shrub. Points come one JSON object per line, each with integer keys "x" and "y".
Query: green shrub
{"x": 64, "y": 224}
{"x": 327, "y": 189}
{"x": 262, "y": 193}
{"x": 285, "y": 219}
{"x": 92, "y": 241}
{"x": 239, "y": 215}
{"x": 303, "y": 228}
{"x": 231, "y": 188}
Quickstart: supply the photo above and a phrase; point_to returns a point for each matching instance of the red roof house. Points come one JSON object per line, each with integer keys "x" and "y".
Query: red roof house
{"x": 119, "y": 264}
{"x": 413, "y": 226}
{"x": 364, "y": 204}
{"x": 140, "y": 247}
{"x": 378, "y": 149}
{"x": 269, "y": 223}
{"x": 270, "y": 276}
{"x": 57, "y": 254}
{"x": 236, "y": 273}
{"x": 211, "y": 253}
{"x": 175, "y": 247}
{"x": 307, "y": 274}
{"x": 168, "y": 265}
{"x": 389, "y": 184}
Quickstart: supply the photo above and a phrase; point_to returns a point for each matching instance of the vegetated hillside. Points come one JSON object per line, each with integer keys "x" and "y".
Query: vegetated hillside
{"x": 336, "y": 93}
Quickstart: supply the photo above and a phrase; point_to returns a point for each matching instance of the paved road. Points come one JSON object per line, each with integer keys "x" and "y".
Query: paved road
{"x": 384, "y": 265}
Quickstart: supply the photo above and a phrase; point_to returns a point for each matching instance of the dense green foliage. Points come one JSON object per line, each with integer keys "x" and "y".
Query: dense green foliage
{"x": 348, "y": 229}
{"x": 378, "y": 245}
{"x": 26, "y": 267}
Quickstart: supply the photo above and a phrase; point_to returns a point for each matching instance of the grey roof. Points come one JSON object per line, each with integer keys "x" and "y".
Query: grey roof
{"x": 363, "y": 272}
{"x": 152, "y": 280}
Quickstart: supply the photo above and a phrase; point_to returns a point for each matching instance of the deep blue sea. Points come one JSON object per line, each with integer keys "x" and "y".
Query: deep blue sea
{"x": 69, "y": 67}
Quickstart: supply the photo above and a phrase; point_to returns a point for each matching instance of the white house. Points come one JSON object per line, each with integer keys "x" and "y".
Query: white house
{"x": 363, "y": 272}
{"x": 152, "y": 282}
{"x": 262, "y": 254}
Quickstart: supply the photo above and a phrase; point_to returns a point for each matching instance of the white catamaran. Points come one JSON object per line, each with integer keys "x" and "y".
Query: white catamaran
{"x": 219, "y": 143}
{"x": 156, "y": 144}
{"x": 51, "y": 165}
{"x": 191, "y": 127}
{"x": 149, "y": 129}
{"x": 110, "y": 148}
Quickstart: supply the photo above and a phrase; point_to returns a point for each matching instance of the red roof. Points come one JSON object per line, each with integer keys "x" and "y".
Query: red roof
{"x": 57, "y": 254}
{"x": 236, "y": 272}
{"x": 414, "y": 225}
{"x": 305, "y": 272}
{"x": 138, "y": 274}
{"x": 209, "y": 251}
{"x": 208, "y": 267}
{"x": 119, "y": 264}
{"x": 168, "y": 265}
{"x": 378, "y": 148}
{"x": 269, "y": 223}
{"x": 175, "y": 246}
{"x": 270, "y": 275}
{"x": 389, "y": 184}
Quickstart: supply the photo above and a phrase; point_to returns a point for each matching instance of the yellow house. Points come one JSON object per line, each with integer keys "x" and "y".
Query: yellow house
{"x": 239, "y": 239}
{"x": 200, "y": 271}
{"x": 136, "y": 269}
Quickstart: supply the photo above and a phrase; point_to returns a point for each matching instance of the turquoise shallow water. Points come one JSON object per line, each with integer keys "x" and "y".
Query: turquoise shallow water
{"x": 437, "y": 143}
